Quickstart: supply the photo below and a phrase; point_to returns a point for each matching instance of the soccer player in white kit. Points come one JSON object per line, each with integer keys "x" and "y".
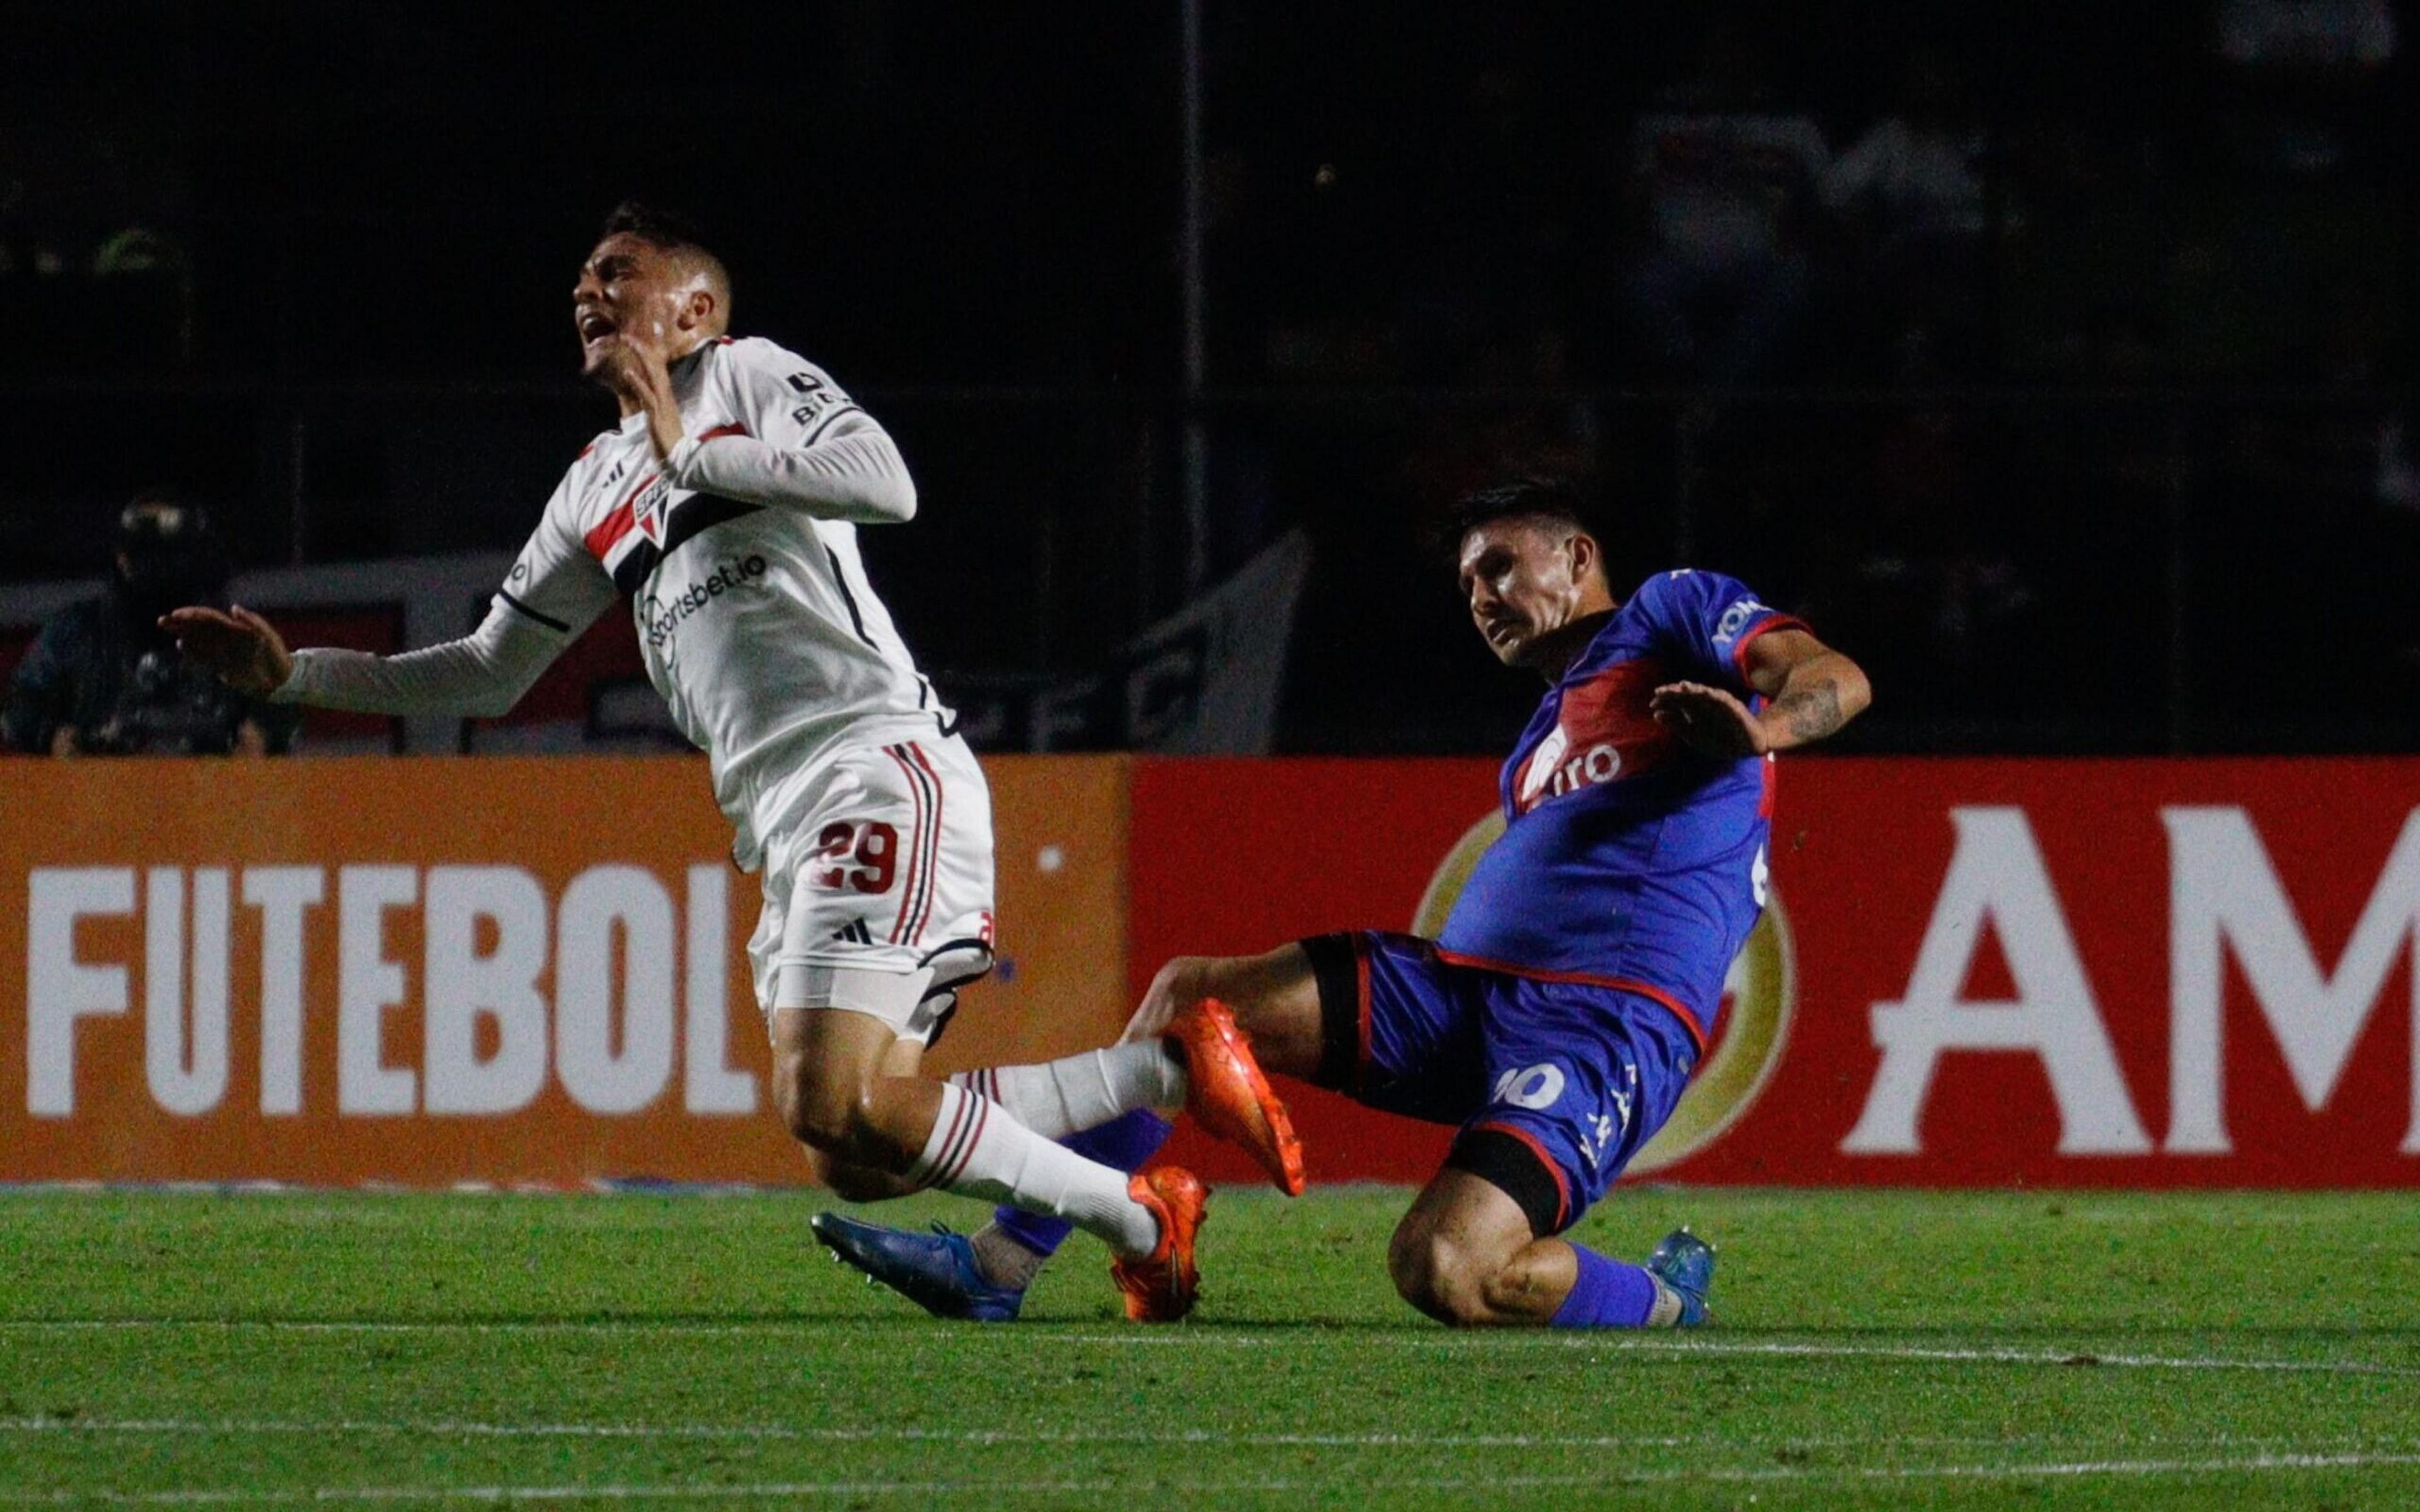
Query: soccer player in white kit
{"x": 724, "y": 505}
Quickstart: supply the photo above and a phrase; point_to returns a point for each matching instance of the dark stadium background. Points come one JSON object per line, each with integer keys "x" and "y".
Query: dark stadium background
{"x": 2133, "y": 477}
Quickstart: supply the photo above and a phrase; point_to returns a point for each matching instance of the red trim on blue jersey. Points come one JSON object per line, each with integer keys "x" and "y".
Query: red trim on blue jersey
{"x": 1361, "y": 982}
{"x": 1554, "y": 1167}
{"x": 1620, "y": 985}
{"x": 1603, "y": 709}
{"x": 1739, "y": 661}
{"x": 1777, "y": 621}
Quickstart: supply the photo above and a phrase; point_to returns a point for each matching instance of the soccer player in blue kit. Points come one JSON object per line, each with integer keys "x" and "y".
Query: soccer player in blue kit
{"x": 1576, "y": 981}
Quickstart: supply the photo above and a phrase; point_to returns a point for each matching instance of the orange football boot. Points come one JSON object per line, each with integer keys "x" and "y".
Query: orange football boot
{"x": 1160, "y": 1287}
{"x": 1226, "y": 1090}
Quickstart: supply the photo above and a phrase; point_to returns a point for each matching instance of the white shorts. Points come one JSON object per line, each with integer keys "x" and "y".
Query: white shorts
{"x": 883, "y": 866}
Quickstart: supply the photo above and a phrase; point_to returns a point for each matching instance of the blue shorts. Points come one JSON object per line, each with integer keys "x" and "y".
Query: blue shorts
{"x": 1555, "y": 1084}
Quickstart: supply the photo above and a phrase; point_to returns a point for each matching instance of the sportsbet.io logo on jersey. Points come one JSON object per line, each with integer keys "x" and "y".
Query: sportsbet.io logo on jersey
{"x": 1758, "y": 995}
{"x": 667, "y": 614}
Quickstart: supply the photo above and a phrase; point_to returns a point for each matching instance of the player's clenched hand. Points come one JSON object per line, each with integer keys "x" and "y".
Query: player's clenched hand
{"x": 1708, "y": 719}
{"x": 249, "y": 655}
{"x": 639, "y": 376}
{"x": 637, "y": 370}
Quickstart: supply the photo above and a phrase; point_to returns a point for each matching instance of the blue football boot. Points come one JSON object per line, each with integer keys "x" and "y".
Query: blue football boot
{"x": 937, "y": 1271}
{"x": 1686, "y": 1263}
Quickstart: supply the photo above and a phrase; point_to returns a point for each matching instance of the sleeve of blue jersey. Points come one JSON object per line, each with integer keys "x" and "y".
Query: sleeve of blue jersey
{"x": 1706, "y": 620}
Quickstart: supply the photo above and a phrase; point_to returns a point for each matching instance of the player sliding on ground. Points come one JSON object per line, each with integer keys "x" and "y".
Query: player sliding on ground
{"x": 1572, "y": 992}
{"x": 725, "y": 506}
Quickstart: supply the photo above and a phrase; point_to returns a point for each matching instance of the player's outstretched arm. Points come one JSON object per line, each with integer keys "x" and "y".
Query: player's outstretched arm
{"x": 246, "y": 650}
{"x": 1812, "y": 691}
{"x": 481, "y": 675}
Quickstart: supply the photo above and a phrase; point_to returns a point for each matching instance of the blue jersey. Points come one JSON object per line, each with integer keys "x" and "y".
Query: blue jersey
{"x": 1628, "y": 858}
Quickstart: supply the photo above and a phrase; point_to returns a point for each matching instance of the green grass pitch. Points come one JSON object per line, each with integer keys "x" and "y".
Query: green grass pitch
{"x": 1870, "y": 1350}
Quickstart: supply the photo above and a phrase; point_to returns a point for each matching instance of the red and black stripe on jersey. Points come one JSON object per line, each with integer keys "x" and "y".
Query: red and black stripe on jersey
{"x": 682, "y": 521}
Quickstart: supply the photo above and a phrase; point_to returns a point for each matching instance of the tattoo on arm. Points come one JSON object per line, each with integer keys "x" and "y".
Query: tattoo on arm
{"x": 1812, "y": 712}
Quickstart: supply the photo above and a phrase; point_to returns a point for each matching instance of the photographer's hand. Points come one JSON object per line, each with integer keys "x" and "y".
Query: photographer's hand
{"x": 246, "y": 652}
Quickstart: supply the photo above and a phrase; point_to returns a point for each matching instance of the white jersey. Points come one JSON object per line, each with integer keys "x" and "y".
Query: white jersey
{"x": 755, "y": 621}
{"x": 840, "y": 771}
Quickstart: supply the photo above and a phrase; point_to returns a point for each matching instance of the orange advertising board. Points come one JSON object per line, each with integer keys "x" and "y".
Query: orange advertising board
{"x": 429, "y": 972}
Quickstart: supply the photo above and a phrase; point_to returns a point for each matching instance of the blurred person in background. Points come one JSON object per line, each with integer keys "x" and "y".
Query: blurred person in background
{"x": 104, "y": 679}
{"x": 1725, "y": 178}
{"x": 1918, "y": 171}
{"x": 2300, "y": 80}
{"x": 1908, "y": 202}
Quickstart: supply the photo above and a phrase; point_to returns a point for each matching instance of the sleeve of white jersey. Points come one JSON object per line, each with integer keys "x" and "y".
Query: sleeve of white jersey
{"x": 554, "y": 590}
{"x": 795, "y": 440}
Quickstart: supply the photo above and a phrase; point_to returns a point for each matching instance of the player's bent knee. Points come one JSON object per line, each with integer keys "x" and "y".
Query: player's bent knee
{"x": 1438, "y": 1276}
{"x": 830, "y": 1115}
{"x": 789, "y": 1102}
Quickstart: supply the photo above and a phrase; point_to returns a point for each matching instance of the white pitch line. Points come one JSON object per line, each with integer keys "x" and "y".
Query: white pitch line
{"x": 2080, "y": 1357}
{"x": 1496, "y": 1484}
{"x": 1633, "y": 1344}
{"x": 1202, "y": 1338}
{"x": 776, "y": 1432}
{"x": 779, "y": 1432}
{"x": 677, "y": 1326}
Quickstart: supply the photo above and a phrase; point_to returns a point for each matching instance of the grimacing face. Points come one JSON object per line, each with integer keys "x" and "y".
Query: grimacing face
{"x": 628, "y": 284}
{"x": 1525, "y": 578}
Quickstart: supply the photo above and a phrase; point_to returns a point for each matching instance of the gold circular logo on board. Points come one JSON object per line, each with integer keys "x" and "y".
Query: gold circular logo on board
{"x": 1758, "y": 995}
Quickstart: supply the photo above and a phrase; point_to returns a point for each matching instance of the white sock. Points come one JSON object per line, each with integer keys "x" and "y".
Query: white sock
{"x": 1077, "y": 1092}
{"x": 977, "y": 1150}
{"x": 1665, "y": 1311}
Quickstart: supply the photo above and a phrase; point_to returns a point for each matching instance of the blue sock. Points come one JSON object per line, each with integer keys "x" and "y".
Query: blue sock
{"x": 1608, "y": 1294}
{"x": 1125, "y": 1142}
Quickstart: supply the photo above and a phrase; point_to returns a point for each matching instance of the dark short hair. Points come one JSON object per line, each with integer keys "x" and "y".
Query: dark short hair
{"x": 666, "y": 230}
{"x": 1541, "y": 499}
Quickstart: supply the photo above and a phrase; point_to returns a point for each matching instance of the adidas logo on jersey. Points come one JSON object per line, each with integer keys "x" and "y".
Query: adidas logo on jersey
{"x": 666, "y": 614}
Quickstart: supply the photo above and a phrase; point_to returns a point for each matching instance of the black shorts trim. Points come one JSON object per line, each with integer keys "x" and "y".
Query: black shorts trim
{"x": 1336, "y": 967}
{"x": 1516, "y": 1167}
{"x": 935, "y": 1014}
{"x": 965, "y": 943}
{"x": 940, "y": 1005}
